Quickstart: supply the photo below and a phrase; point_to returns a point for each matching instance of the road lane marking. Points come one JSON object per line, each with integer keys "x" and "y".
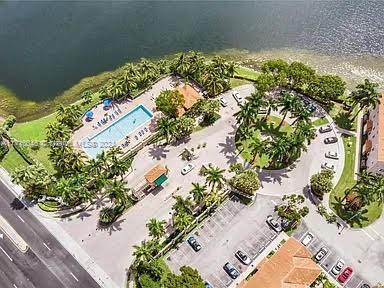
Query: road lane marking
{"x": 21, "y": 219}
{"x": 46, "y": 246}
{"x": 273, "y": 202}
{"x": 14, "y": 285}
{"x": 377, "y": 233}
{"x": 6, "y": 254}
{"x": 74, "y": 276}
{"x": 366, "y": 233}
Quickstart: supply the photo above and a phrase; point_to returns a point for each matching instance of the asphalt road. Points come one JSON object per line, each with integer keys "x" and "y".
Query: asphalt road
{"x": 46, "y": 263}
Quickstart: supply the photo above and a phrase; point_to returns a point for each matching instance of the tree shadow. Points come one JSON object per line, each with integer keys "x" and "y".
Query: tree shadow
{"x": 153, "y": 123}
{"x": 83, "y": 214}
{"x": 307, "y": 192}
{"x": 229, "y": 150}
{"x": 353, "y": 218}
{"x": 114, "y": 227}
{"x": 181, "y": 141}
{"x": 158, "y": 152}
{"x": 100, "y": 202}
{"x": 16, "y": 204}
{"x": 270, "y": 176}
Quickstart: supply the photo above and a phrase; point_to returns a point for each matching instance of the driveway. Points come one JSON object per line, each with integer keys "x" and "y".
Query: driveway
{"x": 221, "y": 151}
{"x": 233, "y": 227}
{"x": 361, "y": 250}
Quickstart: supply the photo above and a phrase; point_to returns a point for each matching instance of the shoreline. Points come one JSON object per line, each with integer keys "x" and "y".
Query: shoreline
{"x": 352, "y": 69}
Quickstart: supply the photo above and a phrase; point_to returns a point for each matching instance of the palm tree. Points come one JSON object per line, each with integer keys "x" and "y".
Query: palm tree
{"x": 182, "y": 205}
{"x": 166, "y": 127}
{"x": 279, "y": 150}
{"x": 212, "y": 198}
{"x": 255, "y": 146}
{"x": 287, "y": 101}
{"x": 156, "y": 228}
{"x": 271, "y": 103}
{"x": 244, "y": 115}
{"x": 107, "y": 215}
{"x": 57, "y": 131}
{"x": 198, "y": 193}
{"x": 117, "y": 192}
{"x": 143, "y": 253}
{"x": 306, "y": 130}
{"x": 182, "y": 221}
{"x": 366, "y": 95}
{"x": 256, "y": 101}
{"x": 301, "y": 113}
{"x": 215, "y": 177}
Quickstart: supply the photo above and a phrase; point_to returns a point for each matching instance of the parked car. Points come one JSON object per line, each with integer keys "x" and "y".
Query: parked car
{"x": 273, "y": 224}
{"x": 223, "y": 101}
{"x": 194, "y": 244}
{"x": 325, "y": 129}
{"x": 328, "y": 166}
{"x": 321, "y": 254}
{"x": 344, "y": 276}
{"x": 187, "y": 168}
{"x": 365, "y": 285}
{"x": 243, "y": 257}
{"x": 239, "y": 99}
{"x": 337, "y": 267}
{"x": 208, "y": 285}
{"x": 330, "y": 140}
{"x": 307, "y": 239}
{"x": 231, "y": 270}
{"x": 332, "y": 155}
{"x": 262, "y": 111}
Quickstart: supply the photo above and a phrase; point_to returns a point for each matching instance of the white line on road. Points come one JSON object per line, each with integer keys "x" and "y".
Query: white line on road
{"x": 374, "y": 231}
{"x": 46, "y": 246}
{"x": 14, "y": 285}
{"x": 366, "y": 233}
{"x": 74, "y": 277}
{"x": 6, "y": 254}
{"x": 274, "y": 203}
{"x": 21, "y": 219}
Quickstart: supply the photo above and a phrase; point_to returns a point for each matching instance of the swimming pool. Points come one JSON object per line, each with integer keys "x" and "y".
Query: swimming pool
{"x": 117, "y": 130}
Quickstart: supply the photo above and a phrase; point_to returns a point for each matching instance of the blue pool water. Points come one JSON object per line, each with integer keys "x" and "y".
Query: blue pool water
{"x": 116, "y": 131}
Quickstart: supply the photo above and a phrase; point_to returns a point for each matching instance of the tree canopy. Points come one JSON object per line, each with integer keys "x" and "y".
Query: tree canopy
{"x": 247, "y": 182}
{"x": 169, "y": 102}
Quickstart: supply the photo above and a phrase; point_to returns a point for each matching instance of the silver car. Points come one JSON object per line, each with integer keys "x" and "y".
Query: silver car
{"x": 337, "y": 267}
{"x": 332, "y": 155}
{"x": 307, "y": 239}
{"x": 328, "y": 166}
{"x": 187, "y": 168}
{"x": 243, "y": 257}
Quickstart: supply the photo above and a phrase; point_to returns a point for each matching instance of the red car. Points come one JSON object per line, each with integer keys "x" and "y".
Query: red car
{"x": 343, "y": 277}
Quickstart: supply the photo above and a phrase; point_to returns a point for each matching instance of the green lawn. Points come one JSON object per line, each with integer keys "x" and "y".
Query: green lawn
{"x": 320, "y": 121}
{"x": 247, "y": 73}
{"x": 35, "y": 130}
{"x": 238, "y": 82}
{"x": 347, "y": 181}
{"x": 268, "y": 127}
{"x": 12, "y": 160}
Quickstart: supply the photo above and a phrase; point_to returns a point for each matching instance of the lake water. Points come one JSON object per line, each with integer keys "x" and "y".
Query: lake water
{"x": 47, "y": 46}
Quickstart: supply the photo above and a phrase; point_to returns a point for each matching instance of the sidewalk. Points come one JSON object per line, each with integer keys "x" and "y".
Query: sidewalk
{"x": 63, "y": 237}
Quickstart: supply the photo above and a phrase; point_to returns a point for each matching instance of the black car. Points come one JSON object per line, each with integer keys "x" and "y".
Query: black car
{"x": 365, "y": 286}
{"x": 326, "y": 128}
{"x": 231, "y": 270}
{"x": 330, "y": 140}
{"x": 207, "y": 284}
{"x": 194, "y": 244}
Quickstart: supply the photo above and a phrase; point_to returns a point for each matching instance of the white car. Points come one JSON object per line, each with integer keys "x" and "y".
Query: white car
{"x": 307, "y": 239}
{"x": 337, "y": 267}
{"x": 332, "y": 155}
{"x": 328, "y": 166}
{"x": 239, "y": 99}
{"x": 187, "y": 168}
{"x": 223, "y": 101}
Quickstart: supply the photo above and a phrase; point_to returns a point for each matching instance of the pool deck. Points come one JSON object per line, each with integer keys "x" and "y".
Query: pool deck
{"x": 147, "y": 98}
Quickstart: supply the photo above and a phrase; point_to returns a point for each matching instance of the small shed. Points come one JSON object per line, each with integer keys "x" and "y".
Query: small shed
{"x": 156, "y": 176}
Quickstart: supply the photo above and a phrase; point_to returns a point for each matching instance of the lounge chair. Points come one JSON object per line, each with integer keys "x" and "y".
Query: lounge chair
{"x": 145, "y": 129}
{"x": 137, "y": 138}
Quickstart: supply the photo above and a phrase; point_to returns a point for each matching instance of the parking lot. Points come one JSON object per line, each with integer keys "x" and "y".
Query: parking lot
{"x": 355, "y": 281}
{"x": 233, "y": 227}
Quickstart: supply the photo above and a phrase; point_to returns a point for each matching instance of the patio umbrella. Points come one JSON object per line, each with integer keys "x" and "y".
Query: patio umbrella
{"x": 107, "y": 102}
{"x": 89, "y": 114}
